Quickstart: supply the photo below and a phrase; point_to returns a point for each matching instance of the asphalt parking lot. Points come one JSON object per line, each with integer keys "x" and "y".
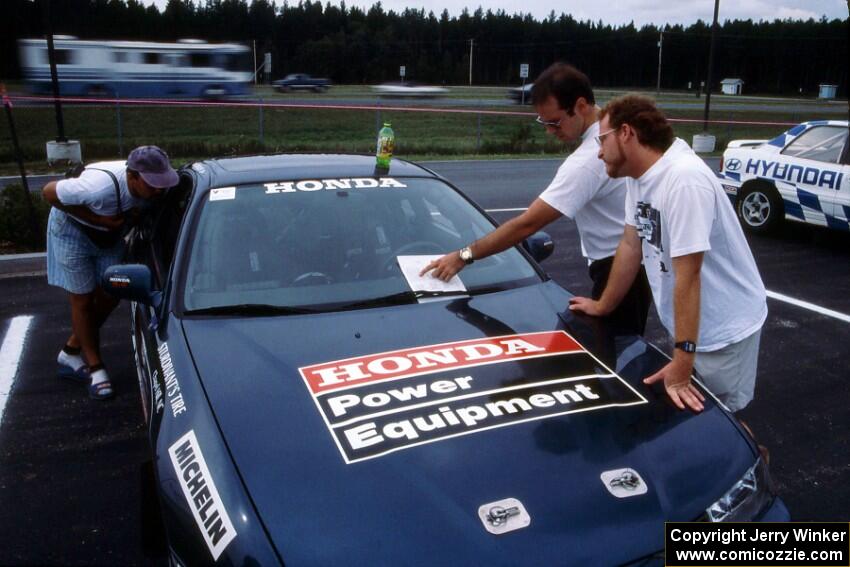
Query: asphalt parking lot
{"x": 70, "y": 467}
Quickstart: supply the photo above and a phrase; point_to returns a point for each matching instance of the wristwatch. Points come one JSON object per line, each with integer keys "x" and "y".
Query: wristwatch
{"x": 466, "y": 255}
{"x": 687, "y": 346}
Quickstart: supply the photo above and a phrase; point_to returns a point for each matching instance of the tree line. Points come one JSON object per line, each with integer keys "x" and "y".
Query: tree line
{"x": 356, "y": 46}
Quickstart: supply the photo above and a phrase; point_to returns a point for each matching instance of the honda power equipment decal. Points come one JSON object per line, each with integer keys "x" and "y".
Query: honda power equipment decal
{"x": 380, "y": 403}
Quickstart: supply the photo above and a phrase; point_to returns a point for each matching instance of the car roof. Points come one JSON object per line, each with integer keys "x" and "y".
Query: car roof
{"x": 224, "y": 172}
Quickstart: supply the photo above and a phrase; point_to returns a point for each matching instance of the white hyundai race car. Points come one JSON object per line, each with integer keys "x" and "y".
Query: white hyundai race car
{"x": 801, "y": 175}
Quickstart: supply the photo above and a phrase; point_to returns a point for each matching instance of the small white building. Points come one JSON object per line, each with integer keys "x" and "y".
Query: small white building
{"x": 827, "y": 91}
{"x": 731, "y": 86}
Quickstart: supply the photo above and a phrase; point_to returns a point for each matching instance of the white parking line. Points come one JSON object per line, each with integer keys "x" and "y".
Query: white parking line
{"x": 770, "y": 294}
{"x": 809, "y": 306}
{"x": 10, "y": 356}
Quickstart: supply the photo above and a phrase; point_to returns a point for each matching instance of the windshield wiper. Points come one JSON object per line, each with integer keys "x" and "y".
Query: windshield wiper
{"x": 485, "y": 289}
{"x": 251, "y": 310}
{"x": 401, "y": 298}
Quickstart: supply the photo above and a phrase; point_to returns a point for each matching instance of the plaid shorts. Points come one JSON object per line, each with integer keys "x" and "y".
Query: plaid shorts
{"x": 73, "y": 262}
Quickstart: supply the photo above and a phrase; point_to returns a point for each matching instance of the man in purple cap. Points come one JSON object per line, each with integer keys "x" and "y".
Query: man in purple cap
{"x": 89, "y": 218}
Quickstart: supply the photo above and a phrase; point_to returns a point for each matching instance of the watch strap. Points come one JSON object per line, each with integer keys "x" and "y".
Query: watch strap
{"x": 466, "y": 255}
{"x": 687, "y": 346}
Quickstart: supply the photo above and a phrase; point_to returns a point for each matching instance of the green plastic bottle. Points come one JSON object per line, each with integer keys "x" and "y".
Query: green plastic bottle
{"x": 386, "y": 143}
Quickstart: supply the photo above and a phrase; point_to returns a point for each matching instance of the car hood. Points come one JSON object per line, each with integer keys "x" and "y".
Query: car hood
{"x": 415, "y": 497}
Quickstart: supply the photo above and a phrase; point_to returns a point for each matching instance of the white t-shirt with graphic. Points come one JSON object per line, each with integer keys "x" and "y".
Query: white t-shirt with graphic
{"x": 95, "y": 190}
{"x": 582, "y": 190}
{"x": 679, "y": 208}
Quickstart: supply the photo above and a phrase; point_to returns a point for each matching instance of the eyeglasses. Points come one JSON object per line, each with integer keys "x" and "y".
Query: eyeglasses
{"x": 549, "y": 123}
{"x": 603, "y": 134}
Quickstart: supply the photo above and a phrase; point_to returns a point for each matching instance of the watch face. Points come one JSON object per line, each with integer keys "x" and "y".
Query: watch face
{"x": 465, "y": 254}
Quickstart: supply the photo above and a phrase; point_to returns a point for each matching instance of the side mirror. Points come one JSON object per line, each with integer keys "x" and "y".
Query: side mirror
{"x": 131, "y": 281}
{"x": 539, "y": 245}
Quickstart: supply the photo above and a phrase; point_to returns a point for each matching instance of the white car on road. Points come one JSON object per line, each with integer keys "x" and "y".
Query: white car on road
{"x": 801, "y": 175}
{"x": 408, "y": 89}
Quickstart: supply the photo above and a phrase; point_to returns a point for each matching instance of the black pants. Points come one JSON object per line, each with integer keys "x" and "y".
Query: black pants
{"x": 630, "y": 316}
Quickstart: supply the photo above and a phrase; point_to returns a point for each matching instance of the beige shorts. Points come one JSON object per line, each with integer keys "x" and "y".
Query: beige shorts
{"x": 730, "y": 373}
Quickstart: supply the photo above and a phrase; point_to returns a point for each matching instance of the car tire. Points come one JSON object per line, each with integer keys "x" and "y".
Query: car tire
{"x": 213, "y": 92}
{"x": 760, "y": 208}
{"x": 139, "y": 355}
{"x": 97, "y": 91}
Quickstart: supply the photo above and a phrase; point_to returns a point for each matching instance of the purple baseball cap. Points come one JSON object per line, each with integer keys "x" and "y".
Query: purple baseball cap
{"x": 152, "y": 164}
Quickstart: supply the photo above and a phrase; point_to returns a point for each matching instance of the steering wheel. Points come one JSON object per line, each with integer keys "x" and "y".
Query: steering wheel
{"x": 307, "y": 277}
{"x": 416, "y": 245}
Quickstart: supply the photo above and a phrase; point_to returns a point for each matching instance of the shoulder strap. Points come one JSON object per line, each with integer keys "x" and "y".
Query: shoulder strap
{"x": 114, "y": 182}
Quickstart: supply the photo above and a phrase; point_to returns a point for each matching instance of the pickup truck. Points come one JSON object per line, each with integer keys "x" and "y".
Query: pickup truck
{"x": 300, "y": 81}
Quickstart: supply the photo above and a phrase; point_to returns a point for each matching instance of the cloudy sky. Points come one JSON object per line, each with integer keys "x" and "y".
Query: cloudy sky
{"x": 639, "y": 11}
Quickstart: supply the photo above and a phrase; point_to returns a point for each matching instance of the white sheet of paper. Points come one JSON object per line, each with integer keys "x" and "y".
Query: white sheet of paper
{"x": 412, "y": 265}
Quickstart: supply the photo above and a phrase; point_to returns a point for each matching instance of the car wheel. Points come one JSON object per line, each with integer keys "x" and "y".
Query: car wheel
{"x": 760, "y": 208}
{"x": 213, "y": 92}
{"x": 140, "y": 355}
{"x": 97, "y": 91}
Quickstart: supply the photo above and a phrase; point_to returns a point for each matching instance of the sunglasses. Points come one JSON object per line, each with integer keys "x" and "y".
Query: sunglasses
{"x": 549, "y": 123}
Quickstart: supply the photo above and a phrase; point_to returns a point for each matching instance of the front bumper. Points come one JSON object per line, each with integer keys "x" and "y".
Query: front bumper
{"x": 776, "y": 512}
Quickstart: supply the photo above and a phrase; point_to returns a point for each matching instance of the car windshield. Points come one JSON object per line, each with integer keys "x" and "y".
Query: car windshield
{"x": 323, "y": 245}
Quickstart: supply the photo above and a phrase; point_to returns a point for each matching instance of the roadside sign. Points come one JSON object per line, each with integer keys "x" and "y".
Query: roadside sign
{"x": 523, "y": 71}
{"x": 402, "y": 71}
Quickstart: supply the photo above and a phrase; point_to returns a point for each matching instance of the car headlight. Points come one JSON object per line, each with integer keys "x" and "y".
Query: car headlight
{"x": 746, "y": 499}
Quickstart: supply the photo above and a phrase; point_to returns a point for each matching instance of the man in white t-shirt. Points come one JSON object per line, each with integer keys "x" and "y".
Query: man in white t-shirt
{"x": 680, "y": 223}
{"x": 581, "y": 190}
{"x": 85, "y": 236}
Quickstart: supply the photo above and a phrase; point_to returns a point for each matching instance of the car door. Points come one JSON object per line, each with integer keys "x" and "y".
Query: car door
{"x": 842, "y": 197}
{"x": 153, "y": 244}
{"x": 811, "y": 163}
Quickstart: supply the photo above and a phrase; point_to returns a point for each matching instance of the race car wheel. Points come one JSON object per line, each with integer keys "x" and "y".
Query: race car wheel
{"x": 140, "y": 355}
{"x": 97, "y": 91}
{"x": 760, "y": 208}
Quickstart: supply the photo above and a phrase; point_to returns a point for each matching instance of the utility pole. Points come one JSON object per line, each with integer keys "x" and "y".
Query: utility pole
{"x": 61, "y": 149}
{"x": 470, "y": 61}
{"x": 660, "y": 43}
{"x": 710, "y": 66}
{"x": 54, "y": 79}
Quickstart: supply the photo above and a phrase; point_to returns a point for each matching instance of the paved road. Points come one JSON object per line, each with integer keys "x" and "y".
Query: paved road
{"x": 70, "y": 467}
{"x": 35, "y": 182}
{"x": 497, "y": 99}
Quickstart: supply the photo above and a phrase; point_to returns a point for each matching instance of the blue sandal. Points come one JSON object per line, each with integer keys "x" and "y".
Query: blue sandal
{"x": 101, "y": 390}
{"x": 80, "y": 375}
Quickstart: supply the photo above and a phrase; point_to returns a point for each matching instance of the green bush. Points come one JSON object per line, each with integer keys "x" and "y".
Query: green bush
{"x": 23, "y": 219}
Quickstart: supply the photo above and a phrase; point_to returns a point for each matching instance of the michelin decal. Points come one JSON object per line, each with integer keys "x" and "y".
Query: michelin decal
{"x": 201, "y": 493}
{"x": 380, "y": 403}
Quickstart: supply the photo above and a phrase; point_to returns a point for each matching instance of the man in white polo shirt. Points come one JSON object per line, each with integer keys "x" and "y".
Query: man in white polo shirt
{"x": 581, "y": 190}
{"x": 85, "y": 236}
{"x": 681, "y": 225}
